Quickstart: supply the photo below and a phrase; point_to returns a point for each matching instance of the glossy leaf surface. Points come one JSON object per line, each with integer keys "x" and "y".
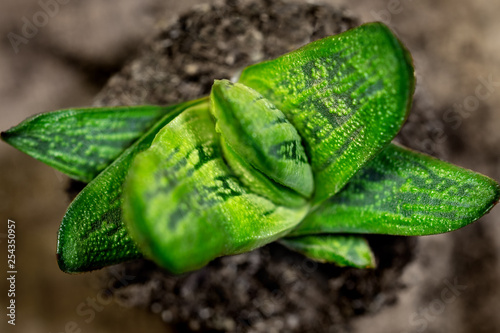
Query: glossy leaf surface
{"x": 347, "y": 95}
{"x": 92, "y": 234}
{"x": 83, "y": 142}
{"x": 260, "y": 133}
{"x": 258, "y": 182}
{"x": 184, "y": 207}
{"x": 402, "y": 192}
{"x": 352, "y": 251}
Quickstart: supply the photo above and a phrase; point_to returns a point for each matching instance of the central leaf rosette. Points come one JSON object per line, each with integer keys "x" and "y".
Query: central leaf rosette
{"x": 210, "y": 189}
{"x": 260, "y": 141}
{"x": 246, "y": 168}
{"x": 185, "y": 206}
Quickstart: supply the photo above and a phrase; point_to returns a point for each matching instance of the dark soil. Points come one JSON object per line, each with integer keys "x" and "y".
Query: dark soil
{"x": 271, "y": 289}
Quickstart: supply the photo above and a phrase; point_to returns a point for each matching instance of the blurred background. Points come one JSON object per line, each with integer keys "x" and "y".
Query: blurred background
{"x": 80, "y": 44}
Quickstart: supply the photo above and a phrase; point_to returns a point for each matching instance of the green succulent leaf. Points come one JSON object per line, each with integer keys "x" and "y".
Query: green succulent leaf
{"x": 260, "y": 133}
{"x": 92, "y": 234}
{"x": 402, "y": 192}
{"x": 258, "y": 182}
{"x": 184, "y": 207}
{"x": 83, "y": 142}
{"x": 352, "y": 251}
{"x": 347, "y": 95}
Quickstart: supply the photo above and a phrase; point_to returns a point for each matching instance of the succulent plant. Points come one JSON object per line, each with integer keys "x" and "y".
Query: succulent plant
{"x": 297, "y": 151}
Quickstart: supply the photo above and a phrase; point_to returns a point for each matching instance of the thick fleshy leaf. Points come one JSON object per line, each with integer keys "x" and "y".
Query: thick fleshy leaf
{"x": 92, "y": 234}
{"x": 402, "y": 192}
{"x": 83, "y": 142}
{"x": 184, "y": 207}
{"x": 258, "y": 182}
{"x": 347, "y": 95}
{"x": 260, "y": 133}
{"x": 352, "y": 251}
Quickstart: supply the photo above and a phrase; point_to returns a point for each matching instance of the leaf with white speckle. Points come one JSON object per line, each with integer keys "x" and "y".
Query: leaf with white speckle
{"x": 352, "y": 251}
{"x": 402, "y": 192}
{"x": 92, "y": 234}
{"x": 347, "y": 95}
{"x": 83, "y": 142}
{"x": 184, "y": 207}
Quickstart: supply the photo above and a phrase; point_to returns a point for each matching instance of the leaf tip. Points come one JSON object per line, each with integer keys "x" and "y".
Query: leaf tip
{"x": 372, "y": 262}
{"x": 62, "y": 263}
{"x": 495, "y": 197}
{"x": 65, "y": 254}
{"x": 6, "y": 136}
{"x": 65, "y": 264}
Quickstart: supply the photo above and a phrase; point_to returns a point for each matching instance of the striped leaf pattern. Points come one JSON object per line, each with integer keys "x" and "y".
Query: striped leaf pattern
{"x": 258, "y": 182}
{"x": 352, "y": 251}
{"x": 184, "y": 207}
{"x": 402, "y": 192}
{"x": 347, "y": 95}
{"x": 92, "y": 234}
{"x": 260, "y": 133}
{"x": 83, "y": 142}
